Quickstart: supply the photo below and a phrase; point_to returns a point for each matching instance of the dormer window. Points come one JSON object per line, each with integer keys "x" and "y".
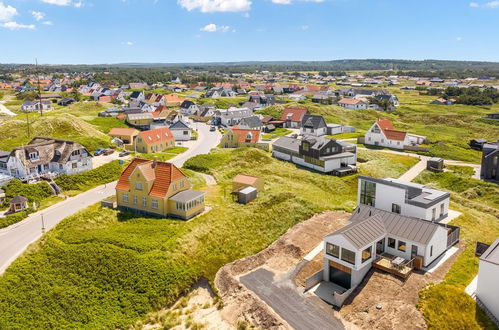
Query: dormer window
{"x": 376, "y": 129}
{"x": 34, "y": 155}
{"x": 75, "y": 153}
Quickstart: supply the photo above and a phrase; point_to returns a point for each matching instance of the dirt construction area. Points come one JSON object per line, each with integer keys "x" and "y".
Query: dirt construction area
{"x": 266, "y": 290}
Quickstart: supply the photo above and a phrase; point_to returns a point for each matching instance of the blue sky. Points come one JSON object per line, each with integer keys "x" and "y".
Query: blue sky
{"x": 167, "y": 31}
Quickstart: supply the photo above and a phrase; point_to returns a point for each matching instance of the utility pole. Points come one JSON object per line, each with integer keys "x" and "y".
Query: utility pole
{"x": 39, "y": 88}
{"x": 43, "y": 225}
{"x": 27, "y": 124}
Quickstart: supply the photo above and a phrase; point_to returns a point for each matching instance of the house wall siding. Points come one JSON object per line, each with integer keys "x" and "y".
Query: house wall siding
{"x": 488, "y": 286}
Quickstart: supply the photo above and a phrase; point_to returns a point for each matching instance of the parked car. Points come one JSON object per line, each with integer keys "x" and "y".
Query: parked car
{"x": 124, "y": 153}
{"x": 99, "y": 151}
{"x": 108, "y": 152}
{"x": 213, "y": 129}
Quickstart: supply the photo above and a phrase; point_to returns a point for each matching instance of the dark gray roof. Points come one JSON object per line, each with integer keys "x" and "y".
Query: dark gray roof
{"x": 179, "y": 125}
{"x": 313, "y": 121}
{"x": 187, "y": 196}
{"x": 492, "y": 253}
{"x": 4, "y": 155}
{"x": 367, "y": 224}
{"x": 18, "y": 199}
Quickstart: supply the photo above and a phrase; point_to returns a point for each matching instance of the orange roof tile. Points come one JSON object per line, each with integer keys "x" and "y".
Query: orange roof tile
{"x": 296, "y": 114}
{"x": 156, "y": 135}
{"x": 389, "y": 131}
{"x": 243, "y": 133}
{"x": 123, "y": 131}
{"x": 162, "y": 173}
{"x": 245, "y": 179}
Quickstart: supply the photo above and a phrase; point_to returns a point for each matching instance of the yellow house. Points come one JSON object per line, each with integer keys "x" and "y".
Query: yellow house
{"x": 155, "y": 140}
{"x": 159, "y": 189}
{"x": 140, "y": 120}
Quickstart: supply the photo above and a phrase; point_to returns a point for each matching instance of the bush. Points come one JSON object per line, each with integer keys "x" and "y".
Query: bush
{"x": 33, "y": 192}
{"x": 14, "y": 218}
{"x": 90, "y": 179}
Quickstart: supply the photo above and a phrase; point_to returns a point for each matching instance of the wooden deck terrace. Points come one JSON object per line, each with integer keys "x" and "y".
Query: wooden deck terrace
{"x": 384, "y": 263}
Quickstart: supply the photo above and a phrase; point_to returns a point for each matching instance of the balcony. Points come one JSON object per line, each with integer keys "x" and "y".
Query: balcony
{"x": 394, "y": 265}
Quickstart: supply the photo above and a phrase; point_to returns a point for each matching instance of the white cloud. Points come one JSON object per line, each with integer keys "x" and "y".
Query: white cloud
{"x": 215, "y": 28}
{"x": 17, "y": 26}
{"x": 211, "y": 6}
{"x": 282, "y": 2}
{"x": 7, "y": 12}
{"x": 47, "y": 23}
{"x": 459, "y": 38}
{"x": 38, "y": 15}
{"x": 473, "y": 4}
{"x": 77, "y": 4}
{"x": 492, "y": 4}
{"x": 127, "y": 43}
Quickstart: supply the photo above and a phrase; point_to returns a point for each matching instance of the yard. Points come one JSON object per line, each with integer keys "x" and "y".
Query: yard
{"x": 106, "y": 269}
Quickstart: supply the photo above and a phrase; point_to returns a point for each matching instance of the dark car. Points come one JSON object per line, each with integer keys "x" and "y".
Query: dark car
{"x": 213, "y": 129}
{"x": 124, "y": 153}
{"x": 99, "y": 151}
{"x": 108, "y": 152}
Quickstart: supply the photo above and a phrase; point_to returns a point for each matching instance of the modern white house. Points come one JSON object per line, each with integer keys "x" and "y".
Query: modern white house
{"x": 317, "y": 153}
{"x": 232, "y": 116}
{"x": 189, "y": 108}
{"x": 181, "y": 131}
{"x": 377, "y": 238}
{"x": 487, "y": 291}
{"x": 47, "y": 156}
{"x": 404, "y": 198}
{"x": 382, "y": 133}
{"x": 35, "y": 105}
{"x": 313, "y": 125}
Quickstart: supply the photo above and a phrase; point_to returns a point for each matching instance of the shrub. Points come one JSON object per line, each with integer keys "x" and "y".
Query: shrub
{"x": 33, "y": 192}
{"x": 90, "y": 179}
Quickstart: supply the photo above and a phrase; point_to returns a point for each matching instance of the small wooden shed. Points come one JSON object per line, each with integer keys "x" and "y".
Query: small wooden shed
{"x": 243, "y": 180}
{"x": 18, "y": 204}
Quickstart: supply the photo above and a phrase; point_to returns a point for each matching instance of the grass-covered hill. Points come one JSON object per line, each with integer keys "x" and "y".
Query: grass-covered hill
{"x": 102, "y": 269}
{"x": 448, "y": 128}
{"x": 63, "y": 126}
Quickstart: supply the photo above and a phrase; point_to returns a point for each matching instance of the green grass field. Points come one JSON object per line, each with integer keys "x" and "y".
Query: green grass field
{"x": 104, "y": 269}
{"x": 446, "y": 305}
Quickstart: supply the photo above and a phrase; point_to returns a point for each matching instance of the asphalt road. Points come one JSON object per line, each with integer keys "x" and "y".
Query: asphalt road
{"x": 298, "y": 311}
{"x": 16, "y": 238}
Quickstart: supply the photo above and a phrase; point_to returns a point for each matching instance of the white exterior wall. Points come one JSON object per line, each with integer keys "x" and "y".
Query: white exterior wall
{"x": 82, "y": 165}
{"x": 439, "y": 243}
{"x": 318, "y": 132}
{"x": 179, "y": 135}
{"x": 429, "y": 212}
{"x": 488, "y": 286}
{"x": 281, "y": 155}
{"x": 358, "y": 106}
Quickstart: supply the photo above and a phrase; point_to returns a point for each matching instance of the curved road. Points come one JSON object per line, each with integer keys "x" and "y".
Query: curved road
{"x": 16, "y": 238}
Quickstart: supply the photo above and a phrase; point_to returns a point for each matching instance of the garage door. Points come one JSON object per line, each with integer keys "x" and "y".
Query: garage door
{"x": 339, "y": 277}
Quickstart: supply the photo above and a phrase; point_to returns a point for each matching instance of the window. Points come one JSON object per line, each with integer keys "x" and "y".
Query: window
{"x": 182, "y": 184}
{"x": 442, "y": 209}
{"x": 61, "y": 166}
{"x": 75, "y": 153}
{"x": 154, "y": 203}
{"x": 306, "y": 146}
{"x": 144, "y": 201}
{"x": 333, "y": 250}
{"x": 138, "y": 185}
{"x": 368, "y": 193}
{"x": 135, "y": 200}
{"x": 431, "y": 250}
{"x": 433, "y": 213}
{"x": 74, "y": 165}
{"x": 402, "y": 246}
{"x": 174, "y": 186}
{"x": 396, "y": 208}
{"x": 348, "y": 256}
{"x": 125, "y": 198}
{"x": 391, "y": 242}
{"x": 34, "y": 155}
{"x": 366, "y": 254}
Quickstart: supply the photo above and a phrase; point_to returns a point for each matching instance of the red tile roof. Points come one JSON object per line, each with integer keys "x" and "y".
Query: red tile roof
{"x": 350, "y": 101}
{"x": 296, "y": 114}
{"x": 162, "y": 173}
{"x": 242, "y": 133}
{"x": 123, "y": 131}
{"x": 390, "y": 132}
{"x": 156, "y": 135}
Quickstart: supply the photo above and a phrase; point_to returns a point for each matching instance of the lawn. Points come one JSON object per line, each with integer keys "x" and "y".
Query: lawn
{"x": 446, "y": 305}
{"x": 277, "y": 133}
{"x": 165, "y": 155}
{"x": 104, "y": 269}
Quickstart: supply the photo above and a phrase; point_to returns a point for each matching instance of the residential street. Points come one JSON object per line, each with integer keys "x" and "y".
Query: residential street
{"x": 16, "y": 238}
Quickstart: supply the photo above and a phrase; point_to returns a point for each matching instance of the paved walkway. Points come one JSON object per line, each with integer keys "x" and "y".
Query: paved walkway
{"x": 300, "y": 312}
{"x": 414, "y": 171}
{"x": 16, "y": 238}
{"x": 3, "y": 109}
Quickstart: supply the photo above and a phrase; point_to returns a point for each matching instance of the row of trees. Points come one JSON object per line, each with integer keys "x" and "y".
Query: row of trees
{"x": 472, "y": 95}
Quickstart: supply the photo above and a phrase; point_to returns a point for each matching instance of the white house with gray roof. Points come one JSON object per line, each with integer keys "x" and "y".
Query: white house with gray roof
{"x": 313, "y": 125}
{"x": 181, "y": 131}
{"x": 404, "y": 198}
{"x": 487, "y": 280}
{"x": 373, "y": 233}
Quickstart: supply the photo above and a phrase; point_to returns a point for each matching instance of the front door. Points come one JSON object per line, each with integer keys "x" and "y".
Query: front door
{"x": 414, "y": 251}
{"x": 380, "y": 246}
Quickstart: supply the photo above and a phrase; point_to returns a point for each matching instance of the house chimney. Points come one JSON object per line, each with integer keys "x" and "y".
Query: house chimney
{"x": 154, "y": 161}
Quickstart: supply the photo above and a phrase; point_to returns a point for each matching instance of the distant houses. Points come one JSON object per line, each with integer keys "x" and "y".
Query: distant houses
{"x": 382, "y": 133}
